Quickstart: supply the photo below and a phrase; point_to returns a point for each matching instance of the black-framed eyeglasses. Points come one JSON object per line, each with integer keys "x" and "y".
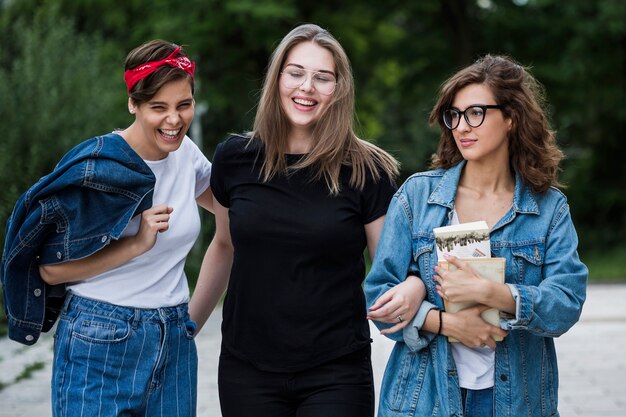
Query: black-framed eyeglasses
{"x": 474, "y": 115}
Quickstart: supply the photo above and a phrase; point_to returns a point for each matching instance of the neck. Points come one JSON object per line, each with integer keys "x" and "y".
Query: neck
{"x": 487, "y": 177}
{"x": 134, "y": 137}
{"x": 299, "y": 141}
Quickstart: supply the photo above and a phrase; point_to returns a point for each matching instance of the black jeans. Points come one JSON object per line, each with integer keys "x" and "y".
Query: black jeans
{"x": 343, "y": 387}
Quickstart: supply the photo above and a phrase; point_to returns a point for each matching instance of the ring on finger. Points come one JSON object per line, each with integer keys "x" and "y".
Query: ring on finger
{"x": 399, "y": 318}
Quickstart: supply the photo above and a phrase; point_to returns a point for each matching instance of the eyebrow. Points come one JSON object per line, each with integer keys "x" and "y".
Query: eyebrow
{"x": 319, "y": 70}
{"x": 163, "y": 103}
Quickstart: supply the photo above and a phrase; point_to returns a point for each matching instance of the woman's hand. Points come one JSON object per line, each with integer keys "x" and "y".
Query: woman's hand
{"x": 460, "y": 285}
{"x": 469, "y": 328}
{"x": 399, "y": 304}
{"x": 153, "y": 221}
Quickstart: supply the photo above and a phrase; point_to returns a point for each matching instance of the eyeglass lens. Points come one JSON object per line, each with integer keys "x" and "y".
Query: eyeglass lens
{"x": 474, "y": 116}
{"x": 323, "y": 82}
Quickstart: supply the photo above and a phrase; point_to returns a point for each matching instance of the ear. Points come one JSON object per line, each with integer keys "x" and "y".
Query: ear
{"x": 131, "y": 106}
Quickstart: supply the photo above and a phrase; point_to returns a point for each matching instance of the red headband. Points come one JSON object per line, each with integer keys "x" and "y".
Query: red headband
{"x": 132, "y": 76}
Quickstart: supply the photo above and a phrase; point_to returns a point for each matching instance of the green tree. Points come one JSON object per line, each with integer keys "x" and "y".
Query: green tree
{"x": 55, "y": 93}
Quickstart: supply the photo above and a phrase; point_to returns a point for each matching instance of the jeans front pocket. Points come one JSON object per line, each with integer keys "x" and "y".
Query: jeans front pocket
{"x": 190, "y": 328}
{"x": 100, "y": 329}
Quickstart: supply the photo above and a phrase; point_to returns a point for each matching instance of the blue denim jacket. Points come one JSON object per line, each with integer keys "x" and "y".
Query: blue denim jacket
{"x": 69, "y": 214}
{"x": 546, "y": 277}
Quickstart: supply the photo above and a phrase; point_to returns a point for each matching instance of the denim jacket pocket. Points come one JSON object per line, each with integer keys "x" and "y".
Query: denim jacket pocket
{"x": 528, "y": 262}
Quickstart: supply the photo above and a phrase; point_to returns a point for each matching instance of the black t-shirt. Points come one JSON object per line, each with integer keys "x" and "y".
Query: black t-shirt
{"x": 294, "y": 299}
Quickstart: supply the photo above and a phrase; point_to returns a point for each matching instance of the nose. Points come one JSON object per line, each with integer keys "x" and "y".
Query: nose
{"x": 463, "y": 125}
{"x": 307, "y": 85}
{"x": 173, "y": 117}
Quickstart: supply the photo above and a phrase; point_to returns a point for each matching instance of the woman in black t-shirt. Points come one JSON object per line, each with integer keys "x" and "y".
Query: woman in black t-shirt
{"x": 297, "y": 201}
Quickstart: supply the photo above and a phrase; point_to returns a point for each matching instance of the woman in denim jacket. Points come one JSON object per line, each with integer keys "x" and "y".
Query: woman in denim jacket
{"x": 124, "y": 342}
{"x": 497, "y": 161}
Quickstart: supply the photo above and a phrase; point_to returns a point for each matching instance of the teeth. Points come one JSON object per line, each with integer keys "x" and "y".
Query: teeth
{"x": 304, "y": 102}
{"x": 170, "y": 132}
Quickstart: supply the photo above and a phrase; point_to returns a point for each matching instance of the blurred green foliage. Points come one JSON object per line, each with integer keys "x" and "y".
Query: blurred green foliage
{"x": 61, "y": 78}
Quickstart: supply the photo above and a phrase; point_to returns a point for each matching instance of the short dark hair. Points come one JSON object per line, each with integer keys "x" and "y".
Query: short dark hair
{"x": 154, "y": 50}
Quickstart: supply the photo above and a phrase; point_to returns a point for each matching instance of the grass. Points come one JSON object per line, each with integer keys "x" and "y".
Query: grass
{"x": 608, "y": 266}
{"x": 26, "y": 373}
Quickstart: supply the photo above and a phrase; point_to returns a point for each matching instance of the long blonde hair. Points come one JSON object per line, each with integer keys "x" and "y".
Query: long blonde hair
{"x": 335, "y": 144}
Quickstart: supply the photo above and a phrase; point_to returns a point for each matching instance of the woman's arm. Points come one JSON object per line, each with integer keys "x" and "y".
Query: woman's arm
{"x": 467, "y": 326}
{"x": 553, "y": 306}
{"x": 401, "y": 301}
{"x": 388, "y": 290}
{"x": 215, "y": 269}
{"x": 205, "y": 200}
{"x": 153, "y": 221}
{"x": 464, "y": 284}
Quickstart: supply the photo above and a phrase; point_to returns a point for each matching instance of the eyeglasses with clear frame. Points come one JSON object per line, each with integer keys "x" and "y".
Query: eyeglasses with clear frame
{"x": 474, "y": 115}
{"x": 323, "y": 82}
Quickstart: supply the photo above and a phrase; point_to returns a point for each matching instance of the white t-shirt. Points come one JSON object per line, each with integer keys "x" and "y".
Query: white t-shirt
{"x": 475, "y": 366}
{"x": 157, "y": 277}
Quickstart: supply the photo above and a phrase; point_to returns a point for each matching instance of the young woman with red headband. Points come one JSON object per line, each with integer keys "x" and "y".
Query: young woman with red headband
{"x": 124, "y": 343}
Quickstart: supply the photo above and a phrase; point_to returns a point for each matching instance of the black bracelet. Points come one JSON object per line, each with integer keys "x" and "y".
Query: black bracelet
{"x": 440, "y": 322}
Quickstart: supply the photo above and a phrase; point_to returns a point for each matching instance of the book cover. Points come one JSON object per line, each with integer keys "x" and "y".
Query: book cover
{"x": 464, "y": 240}
{"x": 492, "y": 269}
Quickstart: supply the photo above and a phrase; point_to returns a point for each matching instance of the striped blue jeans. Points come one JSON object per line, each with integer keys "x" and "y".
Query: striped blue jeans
{"x": 119, "y": 361}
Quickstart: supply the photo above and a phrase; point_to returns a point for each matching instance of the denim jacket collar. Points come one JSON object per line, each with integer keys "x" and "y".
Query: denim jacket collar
{"x": 524, "y": 200}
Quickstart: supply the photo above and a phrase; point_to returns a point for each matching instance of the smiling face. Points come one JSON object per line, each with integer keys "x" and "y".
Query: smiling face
{"x": 162, "y": 122}
{"x": 489, "y": 141}
{"x": 304, "y": 105}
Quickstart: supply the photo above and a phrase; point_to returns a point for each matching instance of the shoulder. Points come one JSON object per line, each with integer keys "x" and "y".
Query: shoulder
{"x": 107, "y": 149}
{"x": 241, "y": 143}
{"x": 188, "y": 147}
{"x": 423, "y": 180}
{"x": 236, "y": 147}
{"x": 552, "y": 201}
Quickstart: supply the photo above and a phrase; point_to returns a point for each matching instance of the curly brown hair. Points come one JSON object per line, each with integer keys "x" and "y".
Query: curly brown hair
{"x": 533, "y": 150}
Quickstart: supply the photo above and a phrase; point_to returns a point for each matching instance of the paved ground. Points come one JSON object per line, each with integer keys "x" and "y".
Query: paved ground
{"x": 592, "y": 364}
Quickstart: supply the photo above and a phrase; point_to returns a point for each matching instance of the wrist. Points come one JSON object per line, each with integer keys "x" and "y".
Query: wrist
{"x": 448, "y": 324}
{"x": 440, "y": 322}
{"x": 419, "y": 285}
{"x": 134, "y": 246}
{"x": 485, "y": 292}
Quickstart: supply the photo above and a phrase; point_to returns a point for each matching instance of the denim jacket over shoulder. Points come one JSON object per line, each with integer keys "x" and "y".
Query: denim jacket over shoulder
{"x": 543, "y": 271}
{"x": 69, "y": 214}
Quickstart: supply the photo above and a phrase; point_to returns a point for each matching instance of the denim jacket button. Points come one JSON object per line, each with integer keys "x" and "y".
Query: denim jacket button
{"x": 104, "y": 239}
{"x": 29, "y": 338}
{"x": 59, "y": 255}
{"x": 37, "y": 292}
{"x": 503, "y": 378}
